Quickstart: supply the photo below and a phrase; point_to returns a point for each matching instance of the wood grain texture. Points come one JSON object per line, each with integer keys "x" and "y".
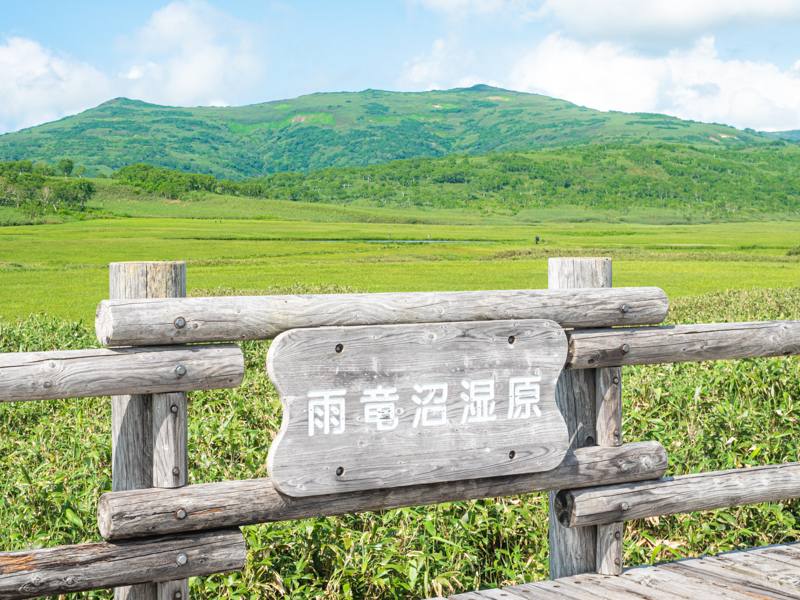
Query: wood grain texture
{"x": 709, "y": 341}
{"x": 173, "y": 590}
{"x": 687, "y": 493}
{"x": 154, "y": 322}
{"x": 608, "y": 397}
{"x": 170, "y": 462}
{"x": 132, "y": 415}
{"x": 399, "y": 405}
{"x": 146, "y": 512}
{"x": 756, "y": 574}
{"x": 574, "y": 551}
{"x": 67, "y": 569}
{"x": 108, "y": 372}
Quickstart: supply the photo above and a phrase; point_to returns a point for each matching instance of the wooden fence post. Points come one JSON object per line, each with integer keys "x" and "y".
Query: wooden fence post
{"x": 149, "y": 431}
{"x": 589, "y": 400}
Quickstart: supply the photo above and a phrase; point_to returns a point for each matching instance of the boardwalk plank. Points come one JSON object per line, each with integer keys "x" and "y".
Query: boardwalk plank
{"x": 749, "y": 584}
{"x": 768, "y": 573}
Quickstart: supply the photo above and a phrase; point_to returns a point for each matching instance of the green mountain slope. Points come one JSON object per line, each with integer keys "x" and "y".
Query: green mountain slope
{"x": 342, "y": 129}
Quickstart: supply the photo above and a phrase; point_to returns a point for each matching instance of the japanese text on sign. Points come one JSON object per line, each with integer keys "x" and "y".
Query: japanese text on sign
{"x": 384, "y": 405}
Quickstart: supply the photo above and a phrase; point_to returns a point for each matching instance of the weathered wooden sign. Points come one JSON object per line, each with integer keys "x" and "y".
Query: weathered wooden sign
{"x": 394, "y": 405}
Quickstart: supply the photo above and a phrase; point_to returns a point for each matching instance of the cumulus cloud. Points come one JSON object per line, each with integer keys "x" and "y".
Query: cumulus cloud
{"x": 187, "y": 53}
{"x": 693, "y": 84}
{"x": 37, "y": 85}
{"x": 616, "y": 19}
{"x": 191, "y": 53}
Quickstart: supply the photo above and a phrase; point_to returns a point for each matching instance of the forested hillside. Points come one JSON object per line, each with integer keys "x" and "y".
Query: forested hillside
{"x": 720, "y": 183}
{"x": 341, "y": 130}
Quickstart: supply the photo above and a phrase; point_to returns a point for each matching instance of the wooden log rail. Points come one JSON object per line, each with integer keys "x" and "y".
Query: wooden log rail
{"x": 108, "y": 372}
{"x": 149, "y": 512}
{"x": 590, "y": 349}
{"x": 66, "y": 569}
{"x": 687, "y": 493}
{"x": 159, "y": 369}
{"x": 187, "y": 320}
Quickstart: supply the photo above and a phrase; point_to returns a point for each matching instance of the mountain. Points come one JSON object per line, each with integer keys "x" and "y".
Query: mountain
{"x": 342, "y": 129}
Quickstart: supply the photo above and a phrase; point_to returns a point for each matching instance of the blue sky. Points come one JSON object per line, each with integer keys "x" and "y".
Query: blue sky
{"x": 731, "y": 61}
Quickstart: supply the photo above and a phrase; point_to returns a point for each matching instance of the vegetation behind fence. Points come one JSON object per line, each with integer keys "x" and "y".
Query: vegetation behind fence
{"x": 708, "y": 416}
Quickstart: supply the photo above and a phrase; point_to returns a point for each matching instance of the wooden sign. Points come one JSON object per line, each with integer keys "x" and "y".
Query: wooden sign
{"x": 370, "y": 407}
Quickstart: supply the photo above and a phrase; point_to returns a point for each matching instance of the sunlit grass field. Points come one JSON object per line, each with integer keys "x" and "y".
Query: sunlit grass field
{"x": 61, "y": 269}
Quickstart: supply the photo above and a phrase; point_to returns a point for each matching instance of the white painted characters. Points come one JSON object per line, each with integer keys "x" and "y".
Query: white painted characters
{"x": 479, "y": 401}
{"x": 326, "y": 411}
{"x": 382, "y": 405}
{"x": 431, "y": 405}
{"x": 523, "y": 396}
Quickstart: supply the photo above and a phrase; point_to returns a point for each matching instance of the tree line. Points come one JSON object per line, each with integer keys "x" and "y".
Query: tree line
{"x": 39, "y": 188}
{"x": 720, "y": 182}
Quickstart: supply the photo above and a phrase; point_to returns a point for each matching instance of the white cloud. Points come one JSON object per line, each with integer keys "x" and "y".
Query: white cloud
{"x": 187, "y": 53}
{"x": 447, "y": 65}
{"x": 691, "y": 84}
{"x": 39, "y": 85}
{"x": 191, "y": 53}
{"x": 616, "y": 19}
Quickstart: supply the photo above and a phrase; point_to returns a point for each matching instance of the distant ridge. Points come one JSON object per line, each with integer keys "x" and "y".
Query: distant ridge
{"x": 342, "y": 129}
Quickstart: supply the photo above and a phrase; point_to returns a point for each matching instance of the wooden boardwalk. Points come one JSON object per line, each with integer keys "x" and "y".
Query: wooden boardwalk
{"x": 772, "y": 572}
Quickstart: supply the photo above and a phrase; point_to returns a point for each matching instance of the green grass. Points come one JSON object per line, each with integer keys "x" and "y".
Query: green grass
{"x": 62, "y": 269}
{"x": 708, "y": 416}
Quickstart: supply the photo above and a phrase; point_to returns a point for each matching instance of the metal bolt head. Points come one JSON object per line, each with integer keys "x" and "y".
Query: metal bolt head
{"x": 177, "y": 596}
{"x": 624, "y": 506}
{"x": 617, "y": 535}
{"x": 181, "y": 559}
{"x": 180, "y": 370}
{"x": 174, "y": 409}
{"x": 624, "y": 308}
{"x": 180, "y": 323}
{"x": 181, "y": 513}
{"x": 615, "y": 380}
{"x": 625, "y": 348}
{"x": 616, "y": 561}
{"x": 69, "y": 580}
{"x": 176, "y": 471}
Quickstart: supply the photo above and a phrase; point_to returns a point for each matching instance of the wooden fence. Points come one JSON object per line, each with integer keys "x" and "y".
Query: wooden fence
{"x": 158, "y": 531}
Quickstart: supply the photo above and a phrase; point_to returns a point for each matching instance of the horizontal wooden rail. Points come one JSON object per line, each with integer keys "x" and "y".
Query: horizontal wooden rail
{"x": 105, "y": 372}
{"x": 183, "y": 320}
{"x": 147, "y": 512}
{"x": 589, "y": 349}
{"x": 687, "y": 493}
{"x": 65, "y": 569}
